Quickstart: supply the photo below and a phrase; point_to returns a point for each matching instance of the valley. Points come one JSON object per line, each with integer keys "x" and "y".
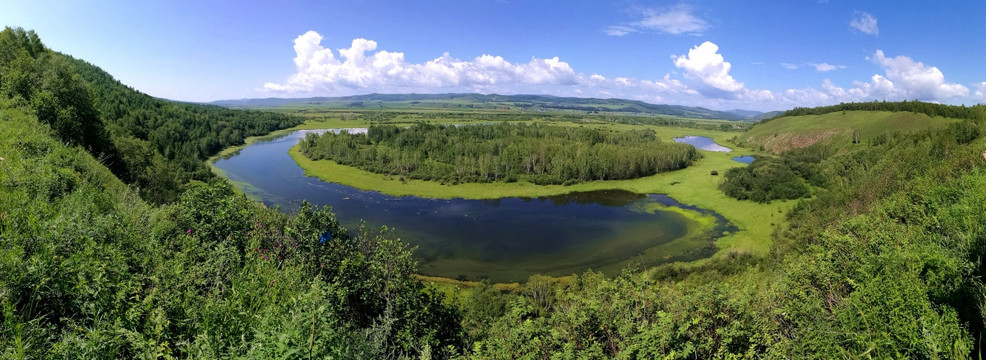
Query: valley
{"x": 137, "y": 227}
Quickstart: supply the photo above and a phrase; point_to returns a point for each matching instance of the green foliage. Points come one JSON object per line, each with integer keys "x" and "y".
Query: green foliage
{"x": 764, "y": 180}
{"x": 89, "y": 270}
{"x": 885, "y": 261}
{"x": 781, "y": 178}
{"x": 154, "y": 144}
{"x": 502, "y": 152}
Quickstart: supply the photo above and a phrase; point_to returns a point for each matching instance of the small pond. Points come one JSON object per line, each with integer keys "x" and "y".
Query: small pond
{"x": 746, "y": 159}
{"x": 702, "y": 143}
{"x": 505, "y": 239}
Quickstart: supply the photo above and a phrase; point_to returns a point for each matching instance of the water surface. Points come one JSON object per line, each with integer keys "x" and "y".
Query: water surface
{"x": 504, "y": 239}
{"x": 746, "y": 159}
{"x": 702, "y": 143}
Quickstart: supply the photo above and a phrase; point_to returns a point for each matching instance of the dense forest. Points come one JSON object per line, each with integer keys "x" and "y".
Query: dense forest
{"x": 885, "y": 260}
{"x": 502, "y": 152}
{"x": 154, "y": 144}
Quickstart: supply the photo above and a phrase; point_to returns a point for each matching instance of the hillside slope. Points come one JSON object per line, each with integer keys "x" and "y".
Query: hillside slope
{"x": 89, "y": 270}
{"x": 838, "y": 128}
{"x": 154, "y": 144}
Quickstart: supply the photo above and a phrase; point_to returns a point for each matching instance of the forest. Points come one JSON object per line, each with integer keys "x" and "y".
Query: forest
{"x": 502, "y": 152}
{"x": 885, "y": 260}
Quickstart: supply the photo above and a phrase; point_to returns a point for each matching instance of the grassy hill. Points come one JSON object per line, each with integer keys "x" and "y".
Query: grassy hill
{"x": 837, "y": 128}
{"x": 489, "y": 102}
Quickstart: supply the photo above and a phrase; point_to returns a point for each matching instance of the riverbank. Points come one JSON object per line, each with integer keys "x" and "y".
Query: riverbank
{"x": 693, "y": 186}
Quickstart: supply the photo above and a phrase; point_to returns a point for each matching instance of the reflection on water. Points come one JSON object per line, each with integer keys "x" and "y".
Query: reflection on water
{"x": 746, "y": 159}
{"x": 505, "y": 239}
{"x": 702, "y": 143}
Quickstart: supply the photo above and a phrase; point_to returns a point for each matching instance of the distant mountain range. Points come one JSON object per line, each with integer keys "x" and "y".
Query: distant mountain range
{"x": 493, "y": 101}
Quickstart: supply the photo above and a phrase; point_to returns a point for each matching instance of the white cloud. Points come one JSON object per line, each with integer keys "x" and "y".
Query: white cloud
{"x": 903, "y": 79}
{"x": 865, "y": 23}
{"x": 674, "y": 20}
{"x": 704, "y": 79}
{"x": 619, "y": 30}
{"x": 823, "y": 67}
{"x": 981, "y": 93}
{"x": 915, "y": 80}
{"x": 704, "y": 64}
{"x": 360, "y": 68}
{"x": 789, "y": 66}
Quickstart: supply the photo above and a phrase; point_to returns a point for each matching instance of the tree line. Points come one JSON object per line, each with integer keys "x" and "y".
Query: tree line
{"x": 915, "y": 106}
{"x": 502, "y": 152}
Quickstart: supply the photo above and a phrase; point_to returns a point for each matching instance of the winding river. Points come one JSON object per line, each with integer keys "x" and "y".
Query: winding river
{"x": 503, "y": 240}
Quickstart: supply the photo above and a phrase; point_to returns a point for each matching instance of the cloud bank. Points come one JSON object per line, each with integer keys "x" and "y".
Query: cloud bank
{"x": 705, "y": 78}
{"x": 902, "y": 79}
{"x": 320, "y": 69}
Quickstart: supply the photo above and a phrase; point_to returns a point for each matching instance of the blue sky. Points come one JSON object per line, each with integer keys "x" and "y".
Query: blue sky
{"x": 718, "y": 54}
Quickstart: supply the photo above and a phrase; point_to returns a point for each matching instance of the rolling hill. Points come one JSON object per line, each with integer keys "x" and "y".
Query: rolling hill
{"x": 492, "y": 102}
{"x": 788, "y": 132}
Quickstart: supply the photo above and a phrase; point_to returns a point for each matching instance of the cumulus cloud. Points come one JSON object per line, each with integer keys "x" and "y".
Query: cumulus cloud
{"x": 705, "y": 78}
{"x": 704, "y": 64}
{"x": 359, "y": 67}
{"x": 903, "y": 79}
{"x": 674, "y": 20}
{"x": 865, "y": 23}
{"x": 914, "y": 80}
{"x": 789, "y": 66}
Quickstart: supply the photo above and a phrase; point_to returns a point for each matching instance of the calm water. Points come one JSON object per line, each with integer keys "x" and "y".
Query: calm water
{"x": 702, "y": 143}
{"x": 504, "y": 239}
{"x": 746, "y": 159}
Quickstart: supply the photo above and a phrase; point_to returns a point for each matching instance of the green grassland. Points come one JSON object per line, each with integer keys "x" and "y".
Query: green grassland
{"x": 789, "y": 132}
{"x": 693, "y": 185}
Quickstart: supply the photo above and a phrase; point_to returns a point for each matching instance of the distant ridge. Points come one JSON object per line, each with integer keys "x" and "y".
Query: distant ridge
{"x": 494, "y": 101}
